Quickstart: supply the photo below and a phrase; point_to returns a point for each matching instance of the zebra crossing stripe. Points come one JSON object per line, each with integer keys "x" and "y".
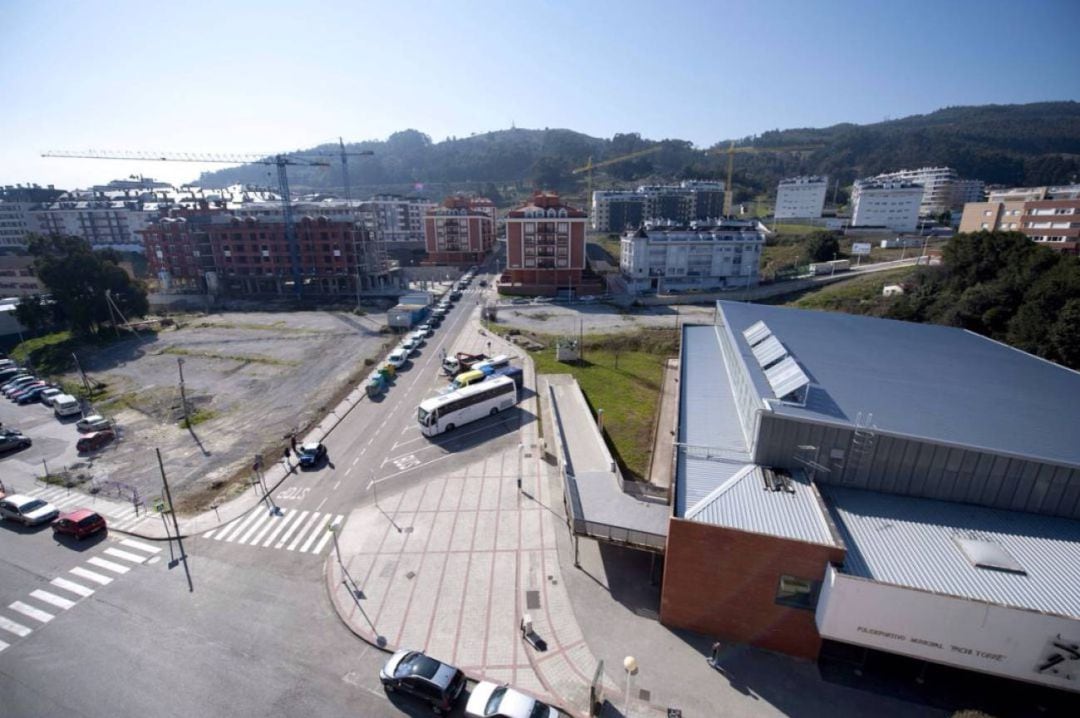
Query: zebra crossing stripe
{"x": 239, "y": 527}
{"x": 125, "y": 555}
{"x": 273, "y": 534}
{"x": 292, "y": 528}
{"x": 314, "y": 518}
{"x": 35, "y": 613}
{"x": 3, "y": 645}
{"x": 326, "y": 537}
{"x": 91, "y": 575}
{"x": 109, "y": 565}
{"x": 210, "y": 533}
{"x": 46, "y": 597}
{"x": 132, "y": 543}
{"x": 76, "y": 588}
{"x": 254, "y": 527}
{"x": 11, "y": 627}
{"x": 320, "y": 528}
{"x": 269, "y": 525}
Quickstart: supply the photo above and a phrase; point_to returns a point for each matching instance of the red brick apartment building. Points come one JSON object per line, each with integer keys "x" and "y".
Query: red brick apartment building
{"x": 1053, "y": 223}
{"x": 214, "y": 250}
{"x": 546, "y": 249}
{"x": 460, "y": 231}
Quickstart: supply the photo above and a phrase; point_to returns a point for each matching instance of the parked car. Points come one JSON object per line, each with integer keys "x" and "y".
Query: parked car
{"x": 94, "y": 440}
{"x": 424, "y": 677}
{"x": 27, "y": 510}
{"x": 15, "y": 384}
{"x": 48, "y": 394}
{"x": 426, "y": 329}
{"x": 17, "y": 395}
{"x": 419, "y": 338}
{"x": 398, "y": 357}
{"x": 12, "y": 440}
{"x": 491, "y": 700}
{"x": 66, "y": 405}
{"x": 33, "y": 395}
{"x": 79, "y": 523}
{"x": 310, "y": 454}
{"x": 94, "y": 422}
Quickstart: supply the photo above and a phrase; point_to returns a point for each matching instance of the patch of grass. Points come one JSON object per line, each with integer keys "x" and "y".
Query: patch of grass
{"x": 857, "y": 296}
{"x": 621, "y": 374}
{"x": 242, "y": 358}
{"x": 610, "y": 244}
{"x": 49, "y": 354}
{"x": 197, "y": 417}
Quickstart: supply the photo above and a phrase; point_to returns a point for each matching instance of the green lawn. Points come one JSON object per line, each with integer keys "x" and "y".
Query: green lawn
{"x": 858, "y": 296}
{"x": 621, "y": 375}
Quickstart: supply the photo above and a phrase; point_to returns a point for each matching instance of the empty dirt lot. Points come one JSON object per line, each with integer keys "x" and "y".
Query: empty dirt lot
{"x": 252, "y": 380}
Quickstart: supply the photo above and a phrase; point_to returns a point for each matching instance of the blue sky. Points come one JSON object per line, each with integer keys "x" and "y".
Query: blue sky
{"x": 263, "y": 76}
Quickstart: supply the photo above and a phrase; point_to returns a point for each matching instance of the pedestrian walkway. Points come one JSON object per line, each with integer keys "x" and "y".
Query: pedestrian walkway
{"x": 22, "y": 618}
{"x": 285, "y": 529}
{"x": 120, "y": 515}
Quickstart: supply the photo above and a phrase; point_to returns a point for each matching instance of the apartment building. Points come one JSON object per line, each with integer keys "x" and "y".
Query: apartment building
{"x": 688, "y": 201}
{"x": 461, "y": 231}
{"x": 17, "y": 278}
{"x": 994, "y": 216}
{"x": 942, "y": 188}
{"x": 663, "y": 257}
{"x": 396, "y": 220}
{"x": 1031, "y": 194}
{"x": 545, "y": 242}
{"x": 800, "y": 197}
{"x": 890, "y": 204}
{"x": 1048, "y": 215}
{"x": 1054, "y": 223}
{"x": 104, "y": 223}
{"x": 17, "y": 205}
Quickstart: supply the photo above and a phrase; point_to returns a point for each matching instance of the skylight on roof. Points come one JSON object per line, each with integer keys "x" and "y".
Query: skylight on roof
{"x": 769, "y": 352}
{"x": 757, "y": 333}
{"x": 986, "y": 553}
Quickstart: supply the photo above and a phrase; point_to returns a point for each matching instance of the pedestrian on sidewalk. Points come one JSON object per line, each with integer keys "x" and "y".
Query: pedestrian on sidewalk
{"x": 292, "y": 442}
{"x": 288, "y": 466}
{"x": 714, "y": 659}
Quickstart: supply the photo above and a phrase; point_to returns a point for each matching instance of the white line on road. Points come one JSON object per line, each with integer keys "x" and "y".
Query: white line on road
{"x": 76, "y": 588}
{"x": 334, "y": 487}
{"x": 321, "y": 504}
{"x": 270, "y": 524}
{"x": 292, "y": 528}
{"x": 46, "y": 597}
{"x": 273, "y": 534}
{"x": 109, "y": 565}
{"x": 210, "y": 533}
{"x": 356, "y": 461}
{"x": 90, "y": 576}
{"x": 3, "y": 645}
{"x": 319, "y": 546}
{"x": 320, "y": 529}
{"x": 296, "y": 542}
{"x": 35, "y": 613}
{"x": 254, "y": 527}
{"x": 11, "y": 627}
{"x": 240, "y": 526}
{"x": 125, "y": 555}
{"x": 131, "y": 543}
{"x": 348, "y": 471}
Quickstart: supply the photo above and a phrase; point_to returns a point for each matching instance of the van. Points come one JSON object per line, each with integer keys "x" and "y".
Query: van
{"x": 496, "y": 362}
{"x": 66, "y": 405}
{"x": 469, "y": 377}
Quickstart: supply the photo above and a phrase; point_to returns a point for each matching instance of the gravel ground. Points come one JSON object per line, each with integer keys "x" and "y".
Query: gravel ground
{"x": 558, "y": 319}
{"x": 259, "y": 377}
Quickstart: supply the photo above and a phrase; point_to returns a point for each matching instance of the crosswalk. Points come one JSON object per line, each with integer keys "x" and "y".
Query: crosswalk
{"x": 62, "y": 593}
{"x": 120, "y": 516}
{"x": 288, "y": 530}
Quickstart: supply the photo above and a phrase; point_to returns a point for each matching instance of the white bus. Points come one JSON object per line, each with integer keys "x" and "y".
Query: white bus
{"x": 486, "y": 398}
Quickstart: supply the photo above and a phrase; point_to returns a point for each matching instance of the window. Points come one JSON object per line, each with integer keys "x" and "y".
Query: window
{"x": 797, "y": 592}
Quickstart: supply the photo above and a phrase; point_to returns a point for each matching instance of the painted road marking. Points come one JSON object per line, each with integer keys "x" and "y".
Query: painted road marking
{"x": 269, "y": 525}
{"x": 90, "y": 576}
{"x": 108, "y": 565}
{"x": 35, "y": 613}
{"x": 273, "y": 534}
{"x": 46, "y": 597}
{"x": 132, "y": 543}
{"x": 254, "y": 527}
{"x": 125, "y": 555}
{"x": 296, "y": 542}
{"x": 11, "y": 627}
{"x": 326, "y": 537}
{"x": 76, "y": 588}
{"x": 407, "y": 462}
{"x": 320, "y": 528}
{"x": 292, "y": 528}
{"x": 321, "y": 503}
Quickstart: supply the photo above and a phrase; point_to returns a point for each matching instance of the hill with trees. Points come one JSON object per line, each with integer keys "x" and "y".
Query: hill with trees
{"x": 1033, "y": 144}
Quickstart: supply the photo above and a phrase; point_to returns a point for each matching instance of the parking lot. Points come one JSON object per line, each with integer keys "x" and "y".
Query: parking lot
{"x": 251, "y": 380}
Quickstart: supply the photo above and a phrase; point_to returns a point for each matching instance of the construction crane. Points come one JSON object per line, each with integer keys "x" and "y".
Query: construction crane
{"x": 281, "y": 161}
{"x": 732, "y": 150}
{"x": 589, "y": 167}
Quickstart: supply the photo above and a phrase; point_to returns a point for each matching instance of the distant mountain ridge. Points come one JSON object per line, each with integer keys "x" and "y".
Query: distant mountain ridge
{"x": 1032, "y": 144}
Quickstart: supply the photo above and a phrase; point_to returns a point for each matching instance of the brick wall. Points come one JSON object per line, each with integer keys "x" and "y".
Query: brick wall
{"x": 722, "y": 583}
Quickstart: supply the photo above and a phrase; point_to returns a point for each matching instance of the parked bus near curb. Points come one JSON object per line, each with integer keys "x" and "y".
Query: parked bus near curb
{"x": 447, "y": 412}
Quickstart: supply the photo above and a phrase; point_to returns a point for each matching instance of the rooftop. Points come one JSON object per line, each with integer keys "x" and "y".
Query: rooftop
{"x": 921, "y": 380}
{"x": 927, "y": 545}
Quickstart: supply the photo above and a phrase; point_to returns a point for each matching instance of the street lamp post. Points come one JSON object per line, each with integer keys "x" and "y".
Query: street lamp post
{"x": 630, "y": 666}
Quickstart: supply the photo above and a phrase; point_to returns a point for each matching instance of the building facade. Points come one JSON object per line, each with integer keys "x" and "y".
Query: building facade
{"x": 545, "y": 248}
{"x": 461, "y": 231}
{"x": 103, "y": 223}
{"x": 943, "y": 189}
{"x": 17, "y": 278}
{"x": 893, "y": 205}
{"x": 800, "y": 197}
{"x": 1053, "y": 221}
{"x": 702, "y": 257}
{"x": 396, "y": 220}
{"x": 688, "y": 201}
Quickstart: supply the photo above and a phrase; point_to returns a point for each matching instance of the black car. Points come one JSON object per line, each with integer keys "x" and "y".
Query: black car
{"x": 424, "y": 677}
{"x": 310, "y": 454}
{"x": 10, "y": 440}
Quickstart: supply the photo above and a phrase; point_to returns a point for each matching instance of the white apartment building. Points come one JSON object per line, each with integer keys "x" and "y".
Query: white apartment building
{"x": 890, "y": 204}
{"x": 688, "y": 201}
{"x": 800, "y": 197}
{"x": 103, "y": 223}
{"x": 394, "y": 219}
{"x": 16, "y": 221}
{"x": 1033, "y": 194}
{"x": 940, "y": 190}
{"x": 664, "y": 257}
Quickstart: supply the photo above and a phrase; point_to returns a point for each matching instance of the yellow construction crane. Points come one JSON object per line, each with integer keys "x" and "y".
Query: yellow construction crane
{"x": 732, "y": 150}
{"x": 614, "y": 160}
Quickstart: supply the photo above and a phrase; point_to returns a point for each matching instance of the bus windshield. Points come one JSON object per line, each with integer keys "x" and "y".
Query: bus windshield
{"x": 422, "y": 416}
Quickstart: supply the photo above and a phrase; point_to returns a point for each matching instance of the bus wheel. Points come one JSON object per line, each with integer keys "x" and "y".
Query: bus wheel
{"x": 449, "y": 427}
{"x": 494, "y": 411}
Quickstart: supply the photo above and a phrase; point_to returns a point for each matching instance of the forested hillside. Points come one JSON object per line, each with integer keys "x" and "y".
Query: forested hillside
{"x": 1008, "y": 144}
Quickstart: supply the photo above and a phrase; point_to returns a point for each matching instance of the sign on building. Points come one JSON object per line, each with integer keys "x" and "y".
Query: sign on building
{"x": 860, "y": 248}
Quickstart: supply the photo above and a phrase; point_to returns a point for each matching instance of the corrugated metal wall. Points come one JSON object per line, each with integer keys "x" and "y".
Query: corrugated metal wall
{"x": 918, "y": 468}
{"x": 747, "y": 402}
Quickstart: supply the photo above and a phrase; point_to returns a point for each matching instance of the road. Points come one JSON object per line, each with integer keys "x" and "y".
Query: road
{"x": 116, "y": 627}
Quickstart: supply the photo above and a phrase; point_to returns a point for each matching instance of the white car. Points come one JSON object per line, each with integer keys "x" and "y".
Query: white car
{"x": 418, "y": 337}
{"x": 48, "y": 394}
{"x": 491, "y": 700}
{"x": 94, "y": 422}
{"x": 27, "y": 510}
{"x": 398, "y": 357}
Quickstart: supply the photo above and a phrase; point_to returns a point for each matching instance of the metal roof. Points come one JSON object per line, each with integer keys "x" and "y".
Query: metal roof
{"x": 743, "y": 502}
{"x": 714, "y": 447}
{"x": 920, "y": 380}
{"x": 912, "y": 542}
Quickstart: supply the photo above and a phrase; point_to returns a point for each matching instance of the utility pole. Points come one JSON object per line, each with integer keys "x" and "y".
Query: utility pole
{"x": 86, "y": 384}
{"x": 183, "y": 396}
{"x": 168, "y": 494}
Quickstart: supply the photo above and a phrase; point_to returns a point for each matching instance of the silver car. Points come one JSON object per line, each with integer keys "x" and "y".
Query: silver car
{"x": 27, "y": 510}
{"x": 491, "y": 700}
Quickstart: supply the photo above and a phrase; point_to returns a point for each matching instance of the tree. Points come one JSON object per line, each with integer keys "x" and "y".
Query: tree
{"x": 822, "y": 246}
{"x": 78, "y": 279}
{"x": 35, "y": 312}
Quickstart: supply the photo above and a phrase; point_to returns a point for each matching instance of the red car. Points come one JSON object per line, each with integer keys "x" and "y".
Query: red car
{"x": 94, "y": 440}
{"x": 79, "y": 523}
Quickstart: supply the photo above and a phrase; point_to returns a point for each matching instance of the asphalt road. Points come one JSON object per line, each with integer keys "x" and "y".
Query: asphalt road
{"x": 240, "y": 627}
